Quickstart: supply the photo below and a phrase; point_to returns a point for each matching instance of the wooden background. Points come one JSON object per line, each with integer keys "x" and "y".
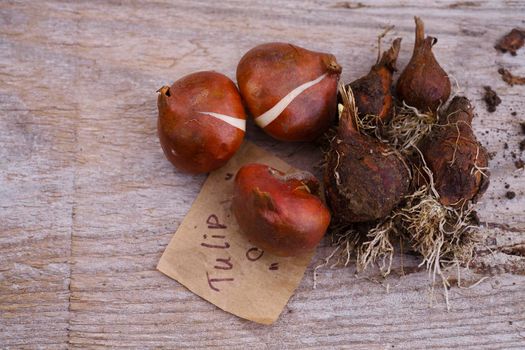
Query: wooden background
{"x": 88, "y": 202}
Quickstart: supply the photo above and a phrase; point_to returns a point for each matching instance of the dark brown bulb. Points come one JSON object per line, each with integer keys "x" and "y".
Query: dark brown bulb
{"x": 423, "y": 84}
{"x": 457, "y": 160}
{"x": 372, "y": 93}
{"x": 364, "y": 179}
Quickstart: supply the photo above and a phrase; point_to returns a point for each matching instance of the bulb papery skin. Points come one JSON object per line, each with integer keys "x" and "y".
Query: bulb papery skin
{"x": 201, "y": 121}
{"x": 457, "y": 160}
{"x": 423, "y": 83}
{"x": 270, "y": 72}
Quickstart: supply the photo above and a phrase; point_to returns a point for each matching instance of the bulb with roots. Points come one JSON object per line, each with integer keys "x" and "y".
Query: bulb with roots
{"x": 423, "y": 83}
{"x": 364, "y": 178}
{"x": 457, "y": 161}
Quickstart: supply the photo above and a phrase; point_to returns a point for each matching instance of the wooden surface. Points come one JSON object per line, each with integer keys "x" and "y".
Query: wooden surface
{"x": 88, "y": 202}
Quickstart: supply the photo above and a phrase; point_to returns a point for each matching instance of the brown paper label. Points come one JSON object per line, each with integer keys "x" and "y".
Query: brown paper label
{"x": 211, "y": 257}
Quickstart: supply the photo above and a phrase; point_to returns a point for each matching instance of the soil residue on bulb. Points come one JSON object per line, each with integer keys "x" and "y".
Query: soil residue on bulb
{"x": 364, "y": 178}
{"x": 372, "y": 93}
{"x": 441, "y": 235}
{"x": 457, "y": 160}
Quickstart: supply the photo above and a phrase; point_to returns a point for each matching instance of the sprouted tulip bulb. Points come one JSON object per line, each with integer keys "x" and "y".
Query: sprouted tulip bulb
{"x": 423, "y": 83}
{"x": 364, "y": 179}
{"x": 372, "y": 92}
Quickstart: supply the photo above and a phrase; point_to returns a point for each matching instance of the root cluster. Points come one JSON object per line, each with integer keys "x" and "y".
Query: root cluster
{"x": 443, "y": 236}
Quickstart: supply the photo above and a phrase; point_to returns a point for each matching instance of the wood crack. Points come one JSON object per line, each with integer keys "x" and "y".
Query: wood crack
{"x": 505, "y": 227}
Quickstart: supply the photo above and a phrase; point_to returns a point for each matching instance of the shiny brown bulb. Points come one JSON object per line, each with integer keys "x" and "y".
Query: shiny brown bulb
{"x": 201, "y": 121}
{"x": 423, "y": 83}
{"x": 290, "y": 91}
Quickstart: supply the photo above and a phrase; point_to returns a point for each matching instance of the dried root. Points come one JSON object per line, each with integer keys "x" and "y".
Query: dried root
{"x": 444, "y": 236}
{"x": 404, "y": 131}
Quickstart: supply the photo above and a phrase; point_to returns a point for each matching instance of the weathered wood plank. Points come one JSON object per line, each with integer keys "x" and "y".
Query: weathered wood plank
{"x": 88, "y": 202}
{"x": 37, "y": 136}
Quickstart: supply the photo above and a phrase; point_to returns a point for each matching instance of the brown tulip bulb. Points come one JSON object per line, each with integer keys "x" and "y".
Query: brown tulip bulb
{"x": 364, "y": 178}
{"x": 423, "y": 84}
{"x": 201, "y": 121}
{"x": 372, "y": 93}
{"x": 279, "y": 213}
{"x": 457, "y": 160}
{"x": 290, "y": 91}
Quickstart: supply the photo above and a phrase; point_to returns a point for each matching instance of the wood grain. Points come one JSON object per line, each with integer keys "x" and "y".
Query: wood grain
{"x": 88, "y": 201}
